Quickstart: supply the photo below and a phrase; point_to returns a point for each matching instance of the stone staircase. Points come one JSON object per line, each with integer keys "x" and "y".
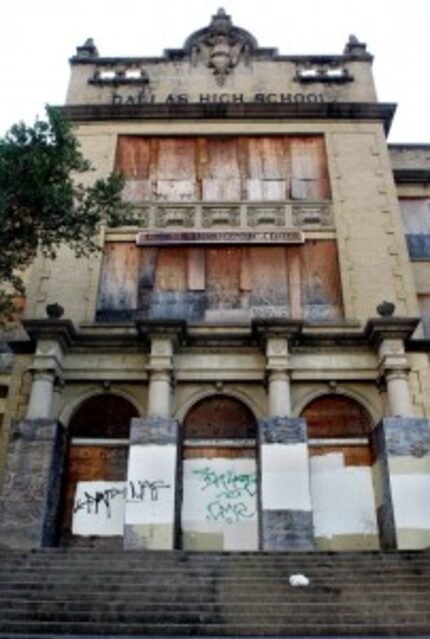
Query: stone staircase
{"x": 71, "y": 593}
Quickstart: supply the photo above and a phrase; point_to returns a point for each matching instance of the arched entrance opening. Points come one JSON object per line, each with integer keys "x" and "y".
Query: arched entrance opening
{"x": 341, "y": 474}
{"x": 95, "y": 473}
{"x": 219, "y": 501}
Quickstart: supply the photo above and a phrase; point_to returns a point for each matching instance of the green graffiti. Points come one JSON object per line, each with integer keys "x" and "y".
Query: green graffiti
{"x": 232, "y": 492}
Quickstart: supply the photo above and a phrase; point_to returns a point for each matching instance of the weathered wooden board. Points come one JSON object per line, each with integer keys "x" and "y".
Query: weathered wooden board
{"x": 221, "y": 172}
{"x": 177, "y": 158}
{"x": 147, "y": 266}
{"x": 133, "y": 157}
{"x": 176, "y": 170}
{"x": 321, "y": 288}
{"x": 220, "y": 417}
{"x": 119, "y": 278}
{"x": 269, "y": 277}
{"x": 309, "y": 168}
{"x": 196, "y": 269}
{"x": 294, "y": 281}
{"x": 352, "y": 455}
{"x": 172, "y": 270}
{"x": 334, "y": 416}
{"x": 223, "y": 266}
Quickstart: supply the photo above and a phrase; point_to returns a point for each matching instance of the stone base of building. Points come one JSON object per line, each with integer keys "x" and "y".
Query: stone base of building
{"x": 30, "y": 498}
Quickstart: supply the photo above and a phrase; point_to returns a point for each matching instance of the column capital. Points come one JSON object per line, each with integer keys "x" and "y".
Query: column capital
{"x": 173, "y": 329}
{"x": 265, "y": 329}
{"x": 46, "y": 373}
{"x": 278, "y": 374}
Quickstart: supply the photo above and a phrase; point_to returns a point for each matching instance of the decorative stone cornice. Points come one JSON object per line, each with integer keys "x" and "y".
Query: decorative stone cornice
{"x": 173, "y": 329}
{"x": 58, "y": 330}
{"x": 264, "y": 329}
{"x": 389, "y": 328}
{"x": 247, "y": 110}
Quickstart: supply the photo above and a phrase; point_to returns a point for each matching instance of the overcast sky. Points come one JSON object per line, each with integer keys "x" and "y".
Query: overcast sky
{"x": 38, "y": 37}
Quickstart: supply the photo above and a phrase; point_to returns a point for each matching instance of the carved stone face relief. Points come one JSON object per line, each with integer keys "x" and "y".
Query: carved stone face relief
{"x": 221, "y": 46}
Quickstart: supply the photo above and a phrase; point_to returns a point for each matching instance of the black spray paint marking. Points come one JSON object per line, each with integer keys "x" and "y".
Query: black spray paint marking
{"x": 93, "y": 502}
{"x": 140, "y": 490}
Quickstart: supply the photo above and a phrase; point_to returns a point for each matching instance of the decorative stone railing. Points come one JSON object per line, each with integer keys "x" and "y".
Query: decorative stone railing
{"x": 189, "y": 215}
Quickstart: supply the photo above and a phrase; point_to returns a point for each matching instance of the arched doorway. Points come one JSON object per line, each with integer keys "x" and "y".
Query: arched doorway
{"x": 219, "y": 504}
{"x": 341, "y": 473}
{"x": 96, "y": 472}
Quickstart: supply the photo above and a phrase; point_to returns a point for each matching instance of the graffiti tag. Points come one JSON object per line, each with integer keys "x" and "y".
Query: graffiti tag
{"x": 234, "y": 492}
{"x": 141, "y": 489}
{"x": 94, "y": 502}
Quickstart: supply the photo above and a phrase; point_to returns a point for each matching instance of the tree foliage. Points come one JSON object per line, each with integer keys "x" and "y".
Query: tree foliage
{"x": 43, "y": 204}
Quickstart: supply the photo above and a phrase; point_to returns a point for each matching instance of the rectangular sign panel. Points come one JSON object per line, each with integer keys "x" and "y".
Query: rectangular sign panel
{"x": 148, "y": 238}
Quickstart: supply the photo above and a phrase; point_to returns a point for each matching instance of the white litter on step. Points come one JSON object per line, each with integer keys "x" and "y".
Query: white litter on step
{"x": 299, "y": 580}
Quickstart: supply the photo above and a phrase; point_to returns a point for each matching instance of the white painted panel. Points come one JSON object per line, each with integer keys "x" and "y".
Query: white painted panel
{"x": 342, "y": 497}
{"x": 99, "y": 508}
{"x": 411, "y": 500}
{"x": 220, "y": 498}
{"x": 151, "y": 485}
{"x": 285, "y": 477}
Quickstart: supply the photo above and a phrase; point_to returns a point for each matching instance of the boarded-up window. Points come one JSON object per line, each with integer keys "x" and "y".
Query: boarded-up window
{"x": 222, "y": 169}
{"x": 220, "y": 282}
{"x": 341, "y": 459}
{"x": 97, "y": 456}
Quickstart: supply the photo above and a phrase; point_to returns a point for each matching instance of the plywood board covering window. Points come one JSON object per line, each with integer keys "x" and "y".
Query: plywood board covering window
{"x": 220, "y": 282}
{"x": 223, "y": 169}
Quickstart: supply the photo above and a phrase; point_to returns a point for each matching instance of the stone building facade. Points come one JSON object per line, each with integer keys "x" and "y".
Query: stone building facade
{"x": 246, "y": 365}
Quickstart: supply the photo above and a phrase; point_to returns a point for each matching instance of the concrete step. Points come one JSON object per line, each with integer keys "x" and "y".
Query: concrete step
{"x": 335, "y": 629}
{"x": 87, "y": 593}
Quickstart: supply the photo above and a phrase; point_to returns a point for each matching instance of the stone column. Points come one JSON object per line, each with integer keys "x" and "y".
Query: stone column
{"x": 41, "y": 396}
{"x": 286, "y": 510}
{"x": 152, "y": 504}
{"x": 279, "y": 392}
{"x": 276, "y": 336}
{"x": 160, "y": 376}
{"x": 34, "y": 461}
{"x": 387, "y": 335}
{"x": 402, "y": 482}
{"x": 31, "y": 490}
{"x": 393, "y": 366}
